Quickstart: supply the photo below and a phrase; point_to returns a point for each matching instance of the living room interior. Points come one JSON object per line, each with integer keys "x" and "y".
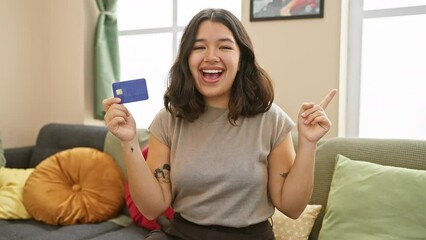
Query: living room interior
{"x": 47, "y": 60}
{"x": 46, "y": 63}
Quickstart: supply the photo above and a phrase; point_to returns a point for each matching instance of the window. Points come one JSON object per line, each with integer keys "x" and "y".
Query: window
{"x": 150, "y": 32}
{"x": 386, "y": 69}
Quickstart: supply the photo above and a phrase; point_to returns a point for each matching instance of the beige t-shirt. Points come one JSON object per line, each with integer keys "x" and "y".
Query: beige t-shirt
{"x": 219, "y": 171}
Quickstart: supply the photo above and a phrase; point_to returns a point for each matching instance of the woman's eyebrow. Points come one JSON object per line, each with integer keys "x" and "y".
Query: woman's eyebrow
{"x": 226, "y": 40}
{"x": 220, "y": 40}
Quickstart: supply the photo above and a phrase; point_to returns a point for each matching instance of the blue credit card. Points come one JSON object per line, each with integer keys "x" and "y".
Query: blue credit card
{"x": 131, "y": 90}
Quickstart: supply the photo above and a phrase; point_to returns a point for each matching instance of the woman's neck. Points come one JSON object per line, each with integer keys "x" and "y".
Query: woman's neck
{"x": 217, "y": 102}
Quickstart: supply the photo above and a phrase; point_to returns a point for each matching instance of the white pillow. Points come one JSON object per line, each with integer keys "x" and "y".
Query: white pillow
{"x": 286, "y": 228}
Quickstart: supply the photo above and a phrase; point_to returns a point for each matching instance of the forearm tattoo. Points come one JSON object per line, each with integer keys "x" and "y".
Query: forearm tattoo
{"x": 163, "y": 175}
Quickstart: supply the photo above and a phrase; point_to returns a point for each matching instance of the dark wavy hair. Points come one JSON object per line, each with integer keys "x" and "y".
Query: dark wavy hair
{"x": 252, "y": 91}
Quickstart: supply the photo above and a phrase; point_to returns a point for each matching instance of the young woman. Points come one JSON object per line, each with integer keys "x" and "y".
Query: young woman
{"x": 225, "y": 146}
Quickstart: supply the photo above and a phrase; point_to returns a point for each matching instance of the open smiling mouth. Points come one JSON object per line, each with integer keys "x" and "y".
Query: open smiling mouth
{"x": 211, "y": 76}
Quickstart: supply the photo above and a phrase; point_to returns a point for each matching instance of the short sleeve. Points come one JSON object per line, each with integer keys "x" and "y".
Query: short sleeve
{"x": 161, "y": 126}
{"x": 283, "y": 124}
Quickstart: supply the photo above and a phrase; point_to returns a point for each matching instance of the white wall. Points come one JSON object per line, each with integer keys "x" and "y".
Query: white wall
{"x": 42, "y": 66}
{"x": 46, "y": 63}
{"x": 302, "y": 56}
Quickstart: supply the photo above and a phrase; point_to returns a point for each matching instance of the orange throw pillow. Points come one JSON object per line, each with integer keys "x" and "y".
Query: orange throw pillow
{"x": 79, "y": 185}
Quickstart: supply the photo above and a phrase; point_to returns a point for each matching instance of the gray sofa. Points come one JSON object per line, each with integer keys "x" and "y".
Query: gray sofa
{"x": 53, "y": 138}
{"x": 56, "y": 137}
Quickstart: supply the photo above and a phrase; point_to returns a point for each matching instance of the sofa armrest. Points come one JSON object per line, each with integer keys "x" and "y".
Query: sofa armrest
{"x": 18, "y": 157}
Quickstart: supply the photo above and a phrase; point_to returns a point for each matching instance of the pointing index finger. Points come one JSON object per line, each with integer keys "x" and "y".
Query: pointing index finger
{"x": 324, "y": 103}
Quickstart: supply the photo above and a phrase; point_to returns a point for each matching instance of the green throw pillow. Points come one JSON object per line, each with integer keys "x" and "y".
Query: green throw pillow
{"x": 112, "y": 147}
{"x": 2, "y": 158}
{"x": 372, "y": 201}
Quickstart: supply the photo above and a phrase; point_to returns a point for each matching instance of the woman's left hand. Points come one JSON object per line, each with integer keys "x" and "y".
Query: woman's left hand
{"x": 313, "y": 123}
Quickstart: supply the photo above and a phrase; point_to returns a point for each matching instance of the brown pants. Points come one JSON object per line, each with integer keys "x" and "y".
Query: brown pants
{"x": 180, "y": 229}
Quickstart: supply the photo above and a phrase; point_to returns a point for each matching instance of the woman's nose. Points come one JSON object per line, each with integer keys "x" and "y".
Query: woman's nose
{"x": 211, "y": 56}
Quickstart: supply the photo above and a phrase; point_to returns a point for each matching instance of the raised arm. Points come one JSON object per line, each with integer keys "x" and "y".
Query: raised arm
{"x": 151, "y": 195}
{"x": 291, "y": 174}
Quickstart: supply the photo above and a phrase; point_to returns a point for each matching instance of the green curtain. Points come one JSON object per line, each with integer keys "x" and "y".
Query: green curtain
{"x": 2, "y": 158}
{"x": 106, "y": 55}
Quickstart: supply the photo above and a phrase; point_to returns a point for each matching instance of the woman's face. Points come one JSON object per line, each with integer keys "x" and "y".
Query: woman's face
{"x": 214, "y": 63}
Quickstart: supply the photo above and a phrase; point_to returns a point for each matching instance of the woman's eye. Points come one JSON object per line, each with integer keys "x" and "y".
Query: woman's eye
{"x": 197, "y": 47}
{"x": 226, "y": 47}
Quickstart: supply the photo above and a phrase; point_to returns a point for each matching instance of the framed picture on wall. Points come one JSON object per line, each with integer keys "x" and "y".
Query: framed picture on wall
{"x": 265, "y": 10}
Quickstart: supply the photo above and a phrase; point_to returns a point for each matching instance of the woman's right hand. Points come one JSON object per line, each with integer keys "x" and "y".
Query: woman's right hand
{"x": 118, "y": 119}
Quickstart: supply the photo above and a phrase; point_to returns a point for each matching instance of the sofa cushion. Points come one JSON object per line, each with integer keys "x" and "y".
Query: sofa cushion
{"x": 112, "y": 147}
{"x": 405, "y": 153}
{"x": 35, "y": 230}
{"x": 286, "y": 228}
{"x": 368, "y": 199}
{"x": 12, "y": 181}
{"x": 79, "y": 185}
{"x": 55, "y": 137}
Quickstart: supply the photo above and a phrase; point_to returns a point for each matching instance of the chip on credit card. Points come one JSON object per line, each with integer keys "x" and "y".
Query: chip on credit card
{"x": 130, "y": 90}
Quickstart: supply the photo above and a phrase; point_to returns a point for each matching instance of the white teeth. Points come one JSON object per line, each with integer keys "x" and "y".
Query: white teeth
{"x": 212, "y": 71}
